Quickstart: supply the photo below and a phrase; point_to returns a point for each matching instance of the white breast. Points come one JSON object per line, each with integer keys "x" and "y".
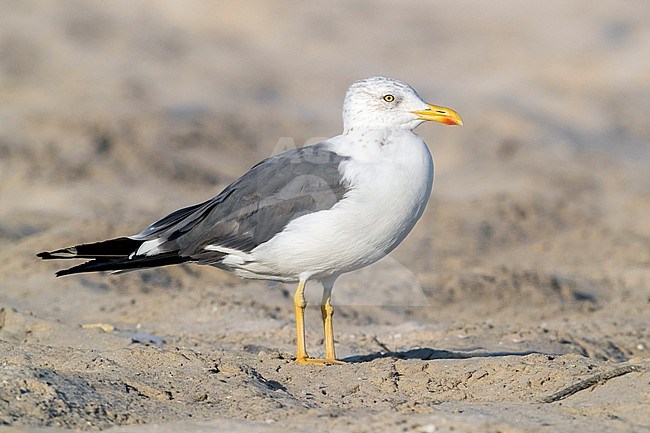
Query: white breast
{"x": 390, "y": 175}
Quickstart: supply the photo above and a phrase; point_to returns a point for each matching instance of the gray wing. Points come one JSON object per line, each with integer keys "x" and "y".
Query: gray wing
{"x": 256, "y": 206}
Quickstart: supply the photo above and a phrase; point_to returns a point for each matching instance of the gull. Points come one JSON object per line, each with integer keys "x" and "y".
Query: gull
{"x": 307, "y": 214}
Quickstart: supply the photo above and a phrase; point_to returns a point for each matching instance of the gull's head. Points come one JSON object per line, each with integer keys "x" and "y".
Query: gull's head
{"x": 386, "y": 103}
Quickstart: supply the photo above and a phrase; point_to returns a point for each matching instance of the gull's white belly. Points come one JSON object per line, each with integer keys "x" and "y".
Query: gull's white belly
{"x": 390, "y": 186}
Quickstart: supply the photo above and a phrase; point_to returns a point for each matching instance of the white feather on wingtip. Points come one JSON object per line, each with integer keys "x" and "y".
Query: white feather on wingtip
{"x": 149, "y": 248}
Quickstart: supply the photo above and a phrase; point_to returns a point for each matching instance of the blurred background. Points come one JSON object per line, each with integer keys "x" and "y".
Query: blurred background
{"x": 537, "y": 235}
{"x": 115, "y": 113}
{"x": 122, "y": 111}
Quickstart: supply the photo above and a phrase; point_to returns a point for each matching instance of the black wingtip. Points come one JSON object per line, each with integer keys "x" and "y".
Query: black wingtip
{"x": 102, "y": 264}
{"x": 82, "y": 267}
{"x": 63, "y": 253}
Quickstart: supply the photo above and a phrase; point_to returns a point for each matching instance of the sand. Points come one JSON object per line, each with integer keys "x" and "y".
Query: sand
{"x": 520, "y": 302}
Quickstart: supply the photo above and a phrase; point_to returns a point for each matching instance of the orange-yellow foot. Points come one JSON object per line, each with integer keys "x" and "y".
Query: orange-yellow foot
{"x": 319, "y": 361}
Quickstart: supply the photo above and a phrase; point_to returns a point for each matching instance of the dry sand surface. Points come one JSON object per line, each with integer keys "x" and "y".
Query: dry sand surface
{"x": 520, "y": 302}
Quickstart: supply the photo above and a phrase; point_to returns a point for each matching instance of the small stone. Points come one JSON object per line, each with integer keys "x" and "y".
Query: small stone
{"x": 429, "y": 428}
{"x": 103, "y": 326}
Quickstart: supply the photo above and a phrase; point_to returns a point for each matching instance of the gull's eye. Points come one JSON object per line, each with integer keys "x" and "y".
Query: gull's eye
{"x": 388, "y": 98}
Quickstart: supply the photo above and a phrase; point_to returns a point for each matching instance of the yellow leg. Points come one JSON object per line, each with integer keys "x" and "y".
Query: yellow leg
{"x": 299, "y": 304}
{"x": 301, "y": 350}
{"x": 327, "y": 311}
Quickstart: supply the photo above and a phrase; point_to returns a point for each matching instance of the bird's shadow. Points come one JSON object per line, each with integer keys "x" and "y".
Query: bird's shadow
{"x": 427, "y": 354}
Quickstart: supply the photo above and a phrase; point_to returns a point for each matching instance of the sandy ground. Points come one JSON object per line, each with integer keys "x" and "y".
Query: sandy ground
{"x": 520, "y": 303}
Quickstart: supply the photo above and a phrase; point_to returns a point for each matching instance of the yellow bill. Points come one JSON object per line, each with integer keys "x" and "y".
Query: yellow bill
{"x": 439, "y": 114}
